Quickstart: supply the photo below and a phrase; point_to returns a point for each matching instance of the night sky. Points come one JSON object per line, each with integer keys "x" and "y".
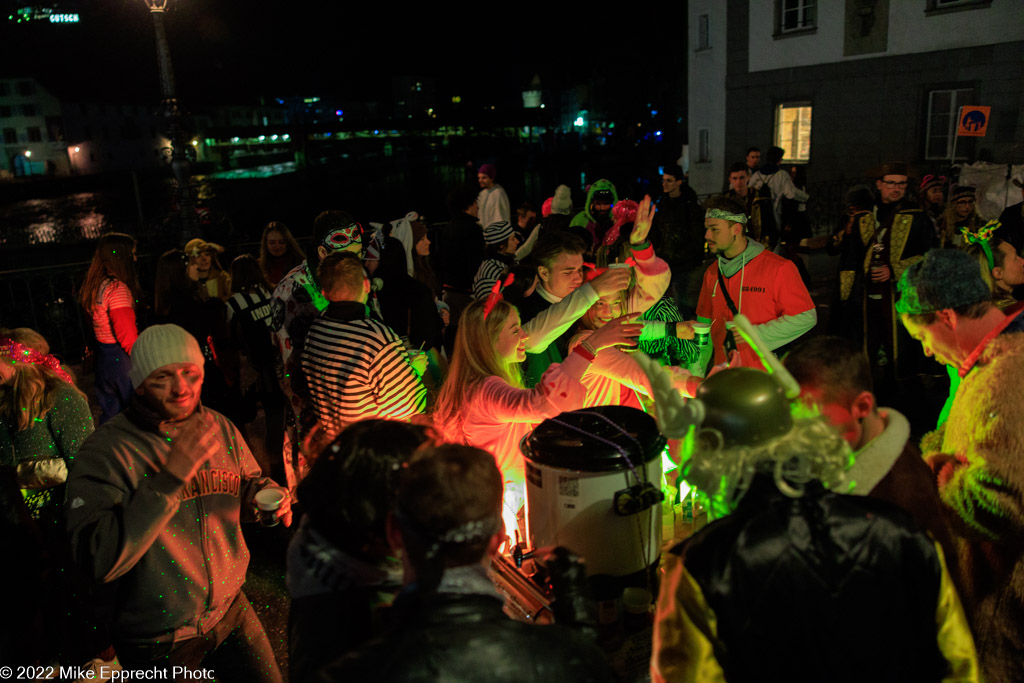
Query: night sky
{"x": 236, "y": 51}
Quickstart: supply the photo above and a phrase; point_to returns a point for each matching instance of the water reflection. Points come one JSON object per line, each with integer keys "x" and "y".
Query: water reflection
{"x": 92, "y": 225}
{"x": 264, "y": 171}
{"x": 68, "y": 219}
{"x": 41, "y": 233}
{"x": 236, "y": 204}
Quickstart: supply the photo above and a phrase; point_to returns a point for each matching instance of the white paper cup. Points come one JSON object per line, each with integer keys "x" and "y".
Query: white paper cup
{"x": 268, "y": 502}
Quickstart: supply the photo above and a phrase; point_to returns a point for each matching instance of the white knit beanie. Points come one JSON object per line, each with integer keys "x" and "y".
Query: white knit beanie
{"x": 562, "y": 201}
{"x": 161, "y": 345}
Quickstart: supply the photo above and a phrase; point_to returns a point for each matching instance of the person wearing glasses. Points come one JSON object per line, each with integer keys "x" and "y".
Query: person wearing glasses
{"x": 894, "y": 235}
{"x": 961, "y": 212}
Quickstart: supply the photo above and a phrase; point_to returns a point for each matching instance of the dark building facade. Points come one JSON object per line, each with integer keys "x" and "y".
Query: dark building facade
{"x": 844, "y": 87}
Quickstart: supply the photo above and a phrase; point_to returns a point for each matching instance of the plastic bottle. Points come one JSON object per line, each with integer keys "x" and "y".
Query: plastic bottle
{"x": 702, "y": 338}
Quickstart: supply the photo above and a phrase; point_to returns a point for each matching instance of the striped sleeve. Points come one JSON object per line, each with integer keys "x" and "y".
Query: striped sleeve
{"x": 399, "y": 392}
{"x": 117, "y": 295}
{"x": 488, "y": 273}
{"x": 359, "y": 369}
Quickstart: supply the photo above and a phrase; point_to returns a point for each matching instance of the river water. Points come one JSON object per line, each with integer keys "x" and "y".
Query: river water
{"x": 67, "y": 219}
{"x": 234, "y": 206}
{"x": 53, "y": 221}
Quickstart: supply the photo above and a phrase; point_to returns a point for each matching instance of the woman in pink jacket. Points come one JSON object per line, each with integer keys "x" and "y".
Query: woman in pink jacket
{"x": 483, "y": 403}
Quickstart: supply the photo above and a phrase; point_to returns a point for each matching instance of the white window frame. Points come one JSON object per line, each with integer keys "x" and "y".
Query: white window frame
{"x": 961, "y": 96}
{"x": 794, "y": 153}
{"x": 803, "y": 8}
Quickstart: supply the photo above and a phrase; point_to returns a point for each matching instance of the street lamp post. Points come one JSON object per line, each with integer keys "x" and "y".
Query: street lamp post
{"x": 180, "y": 164}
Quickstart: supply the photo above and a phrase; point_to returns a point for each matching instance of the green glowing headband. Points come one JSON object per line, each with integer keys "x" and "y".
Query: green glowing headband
{"x": 726, "y": 216}
{"x": 983, "y": 237}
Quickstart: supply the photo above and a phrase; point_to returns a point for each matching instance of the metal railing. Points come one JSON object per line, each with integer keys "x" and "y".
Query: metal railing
{"x": 827, "y": 205}
{"x": 44, "y": 299}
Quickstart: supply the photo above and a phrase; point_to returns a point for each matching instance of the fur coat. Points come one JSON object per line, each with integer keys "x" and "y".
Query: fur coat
{"x": 978, "y": 457}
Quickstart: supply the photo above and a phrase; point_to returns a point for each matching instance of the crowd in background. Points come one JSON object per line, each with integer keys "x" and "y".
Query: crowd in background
{"x": 379, "y": 338}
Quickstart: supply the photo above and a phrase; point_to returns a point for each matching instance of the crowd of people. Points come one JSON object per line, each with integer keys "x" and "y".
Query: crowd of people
{"x": 397, "y": 367}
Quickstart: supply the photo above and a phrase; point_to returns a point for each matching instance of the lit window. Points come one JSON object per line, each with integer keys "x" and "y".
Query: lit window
{"x": 793, "y": 130}
{"x": 943, "y": 107}
{"x": 792, "y": 16}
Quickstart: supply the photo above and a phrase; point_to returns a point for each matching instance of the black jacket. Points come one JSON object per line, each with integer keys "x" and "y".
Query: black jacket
{"x": 445, "y": 637}
{"x": 1012, "y": 220}
{"x": 406, "y": 304}
{"x": 459, "y": 252}
{"x": 822, "y": 587}
{"x": 677, "y": 231}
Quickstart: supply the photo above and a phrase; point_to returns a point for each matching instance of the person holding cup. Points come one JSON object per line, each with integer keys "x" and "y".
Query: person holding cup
{"x": 354, "y": 366}
{"x": 155, "y": 498}
{"x": 614, "y": 377}
{"x": 747, "y": 278}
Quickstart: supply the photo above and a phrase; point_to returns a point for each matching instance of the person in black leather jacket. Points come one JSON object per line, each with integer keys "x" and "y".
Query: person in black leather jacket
{"x": 794, "y": 582}
{"x": 448, "y": 623}
{"x": 341, "y": 574}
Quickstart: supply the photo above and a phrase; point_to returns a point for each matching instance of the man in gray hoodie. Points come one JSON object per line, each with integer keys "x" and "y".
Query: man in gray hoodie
{"x": 154, "y": 501}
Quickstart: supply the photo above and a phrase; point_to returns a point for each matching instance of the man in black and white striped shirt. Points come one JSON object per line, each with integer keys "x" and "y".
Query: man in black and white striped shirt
{"x": 355, "y": 366}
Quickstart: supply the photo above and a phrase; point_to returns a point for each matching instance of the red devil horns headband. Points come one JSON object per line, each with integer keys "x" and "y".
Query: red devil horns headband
{"x": 495, "y": 296}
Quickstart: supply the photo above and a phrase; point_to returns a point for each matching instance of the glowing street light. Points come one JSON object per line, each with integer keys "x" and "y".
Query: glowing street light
{"x": 28, "y": 154}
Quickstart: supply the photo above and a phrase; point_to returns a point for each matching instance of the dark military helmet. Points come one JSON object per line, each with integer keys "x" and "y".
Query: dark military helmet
{"x": 748, "y": 407}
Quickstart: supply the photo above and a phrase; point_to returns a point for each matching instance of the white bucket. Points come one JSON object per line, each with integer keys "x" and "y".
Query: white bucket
{"x": 575, "y": 480}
